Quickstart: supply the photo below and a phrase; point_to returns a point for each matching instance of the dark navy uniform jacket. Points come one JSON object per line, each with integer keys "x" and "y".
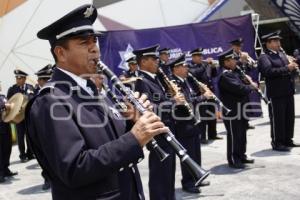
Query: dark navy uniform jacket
{"x": 129, "y": 74}
{"x": 83, "y": 160}
{"x": 186, "y": 128}
{"x": 160, "y": 99}
{"x": 279, "y": 80}
{"x": 233, "y": 91}
{"x": 2, "y": 102}
{"x": 28, "y": 90}
{"x": 166, "y": 68}
{"x": 204, "y": 73}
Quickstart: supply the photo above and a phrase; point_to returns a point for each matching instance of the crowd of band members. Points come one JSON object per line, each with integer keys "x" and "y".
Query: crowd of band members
{"x": 144, "y": 63}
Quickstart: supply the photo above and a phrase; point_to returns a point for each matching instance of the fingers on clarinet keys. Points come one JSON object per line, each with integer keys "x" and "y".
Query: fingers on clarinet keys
{"x": 148, "y": 126}
{"x": 292, "y": 66}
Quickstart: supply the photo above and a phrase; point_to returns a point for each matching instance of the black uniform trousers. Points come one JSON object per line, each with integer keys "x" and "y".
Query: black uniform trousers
{"x": 162, "y": 173}
{"x": 193, "y": 148}
{"x": 236, "y": 139}
{"x": 21, "y": 132}
{"x": 282, "y": 118}
{"x": 208, "y": 122}
{"x": 5, "y": 147}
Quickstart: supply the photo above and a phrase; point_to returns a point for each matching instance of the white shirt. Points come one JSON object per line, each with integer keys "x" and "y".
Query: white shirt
{"x": 275, "y": 52}
{"x": 149, "y": 73}
{"x": 181, "y": 79}
{"x": 80, "y": 81}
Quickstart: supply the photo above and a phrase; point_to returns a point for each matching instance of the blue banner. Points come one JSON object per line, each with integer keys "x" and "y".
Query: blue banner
{"x": 213, "y": 36}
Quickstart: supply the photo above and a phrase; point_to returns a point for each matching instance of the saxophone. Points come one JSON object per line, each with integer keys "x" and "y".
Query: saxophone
{"x": 174, "y": 90}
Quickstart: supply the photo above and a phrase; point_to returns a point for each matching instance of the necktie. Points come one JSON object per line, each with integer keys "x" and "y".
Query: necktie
{"x": 159, "y": 83}
{"x": 91, "y": 85}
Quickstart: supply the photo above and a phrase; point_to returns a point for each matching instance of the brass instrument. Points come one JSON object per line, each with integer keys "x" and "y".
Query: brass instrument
{"x": 204, "y": 88}
{"x": 249, "y": 60}
{"x": 213, "y": 62}
{"x": 130, "y": 79}
{"x": 16, "y": 112}
{"x": 291, "y": 59}
{"x": 174, "y": 90}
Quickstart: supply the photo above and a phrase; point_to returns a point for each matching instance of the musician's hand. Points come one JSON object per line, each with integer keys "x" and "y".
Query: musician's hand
{"x": 254, "y": 85}
{"x": 7, "y": 106}
{"x": 249, "y": 78}
{"x": 122, "y": 78}
{"x": 132, "y": 113}
{"x": 148, "y": 126}
{"x": 292, "y": 66}
{"x": 209, "y": 60}
{"x": 244, "y": 57}
{"x": 179, "y": 99}
{"x": 208, "y": 94}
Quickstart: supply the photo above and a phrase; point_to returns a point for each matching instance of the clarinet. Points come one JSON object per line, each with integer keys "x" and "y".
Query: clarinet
{"x": 196, "y": 171}
{"x": 246, "y": 79}
{"x": 204, "y": 87}
{"x": 291, "y": 59}
{"x": 174, "y": 90}
{"x": 122, "y": 106}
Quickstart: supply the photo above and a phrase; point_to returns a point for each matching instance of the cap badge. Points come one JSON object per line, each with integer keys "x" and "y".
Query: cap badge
{"x": 89, "y": 11}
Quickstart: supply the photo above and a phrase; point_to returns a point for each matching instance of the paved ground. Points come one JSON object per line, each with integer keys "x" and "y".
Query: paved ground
{"x": 274, "y": 176}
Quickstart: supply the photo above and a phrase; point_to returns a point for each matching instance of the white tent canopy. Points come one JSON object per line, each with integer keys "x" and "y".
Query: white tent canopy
{"x": 20, "y": 48}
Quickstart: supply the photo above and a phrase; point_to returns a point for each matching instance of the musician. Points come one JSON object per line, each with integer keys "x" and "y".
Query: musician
{"x": 277, "y": 71}
{"x": 86, "y": 150}
{"x": 204, "y": 72}
{"x": 133, "y": 67}
{"x": 43, "y": 75}
{"x": 242, "y": 61}
{"x": 161, "y": 174}
{"x": 5, "y": 143}
{"x": 296, "y": 55}
{"x": 187, "y": 133}
{"x": 234, "y": 94}
{"x": 164, "y": 54}
{"x": 28, "y": 91}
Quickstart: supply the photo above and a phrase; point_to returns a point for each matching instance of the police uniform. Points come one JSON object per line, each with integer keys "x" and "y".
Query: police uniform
{"x": 187, "y": 133}
{"x": 280, "y": 89}
{"x": 234, "y": 94}
{"x": 45, "y": 74}
{"x": 131, "y": 60}
{"x": 161, "y": 174}
{"x": 5, "y": 144}
{"x": 246, "y": 67}
{"x": 237, "y": 55}
{"x": 204, "y": 73}
{"x": 85, "y": 150}
{"x": 28, "y": 91}
{"x": 162, "y": 64}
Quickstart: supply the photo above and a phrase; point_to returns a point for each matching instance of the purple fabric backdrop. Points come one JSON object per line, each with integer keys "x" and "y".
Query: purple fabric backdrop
{"x": 213, "y": 36}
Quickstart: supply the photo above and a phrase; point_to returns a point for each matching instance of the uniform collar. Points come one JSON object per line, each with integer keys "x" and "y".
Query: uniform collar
{"x": 79, "y": 80}
{"x": 181, "y": 79}
{"x": 149, "y": 73}
{"x": 272, "y": 51}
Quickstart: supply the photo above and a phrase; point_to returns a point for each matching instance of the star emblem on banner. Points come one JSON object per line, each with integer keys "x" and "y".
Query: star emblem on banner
{"x": 123, "y": 65}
